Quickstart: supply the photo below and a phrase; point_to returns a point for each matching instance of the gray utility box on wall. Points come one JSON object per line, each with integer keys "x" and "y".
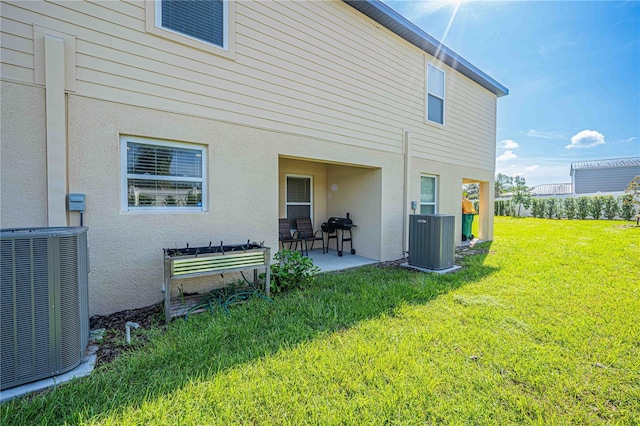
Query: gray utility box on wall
{"x": 44, "y": 304}
{"x": 431, "y": 241}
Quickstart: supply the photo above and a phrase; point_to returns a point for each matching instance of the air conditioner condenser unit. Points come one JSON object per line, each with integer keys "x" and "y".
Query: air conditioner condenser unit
{"x": 431, "y": 241}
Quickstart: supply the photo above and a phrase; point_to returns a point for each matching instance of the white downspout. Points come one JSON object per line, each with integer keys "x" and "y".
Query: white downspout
{"x": 56, "y": 122}
{"x": 407, "y": 173}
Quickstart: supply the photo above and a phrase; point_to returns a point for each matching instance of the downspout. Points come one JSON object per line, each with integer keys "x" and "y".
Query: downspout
{"x": 56, "y": 125}
{"x": 405, "y": 209}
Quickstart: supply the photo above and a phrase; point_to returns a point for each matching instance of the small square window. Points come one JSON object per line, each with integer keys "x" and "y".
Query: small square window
{"x": 207, "y": 25}
{"x": 201, "y": 19}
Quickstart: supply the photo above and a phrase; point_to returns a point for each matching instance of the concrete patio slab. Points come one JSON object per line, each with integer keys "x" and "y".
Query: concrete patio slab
{"x": 332, "y": 262}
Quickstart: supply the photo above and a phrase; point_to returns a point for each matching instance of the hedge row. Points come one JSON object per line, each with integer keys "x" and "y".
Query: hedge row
{"x": 596, "y": 207}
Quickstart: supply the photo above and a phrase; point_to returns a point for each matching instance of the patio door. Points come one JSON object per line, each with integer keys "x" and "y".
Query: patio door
{"x": 299, "y": 198}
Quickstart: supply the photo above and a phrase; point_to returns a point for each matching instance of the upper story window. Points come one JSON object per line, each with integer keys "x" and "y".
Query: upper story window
{"x": 435, "y": 94}
{"x": 162, "y": 175}
{"x": 203, "y": 24}
{"x": 203, "y": 20}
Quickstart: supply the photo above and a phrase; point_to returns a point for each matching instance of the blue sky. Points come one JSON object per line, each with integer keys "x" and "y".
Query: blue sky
{"x": 572, "y": 69}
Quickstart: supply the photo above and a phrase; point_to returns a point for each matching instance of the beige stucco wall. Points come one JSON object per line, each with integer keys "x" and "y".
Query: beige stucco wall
{"x": 23, "y": 161}
{"x": 245, "y": 180}
{"x": 449, "y": 191}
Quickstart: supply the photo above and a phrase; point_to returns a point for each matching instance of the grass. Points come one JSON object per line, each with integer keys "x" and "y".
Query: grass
{"x": 540, "y": 328}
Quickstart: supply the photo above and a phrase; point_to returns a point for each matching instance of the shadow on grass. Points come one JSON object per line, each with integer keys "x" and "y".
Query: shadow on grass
{"x": 209, "y": 344}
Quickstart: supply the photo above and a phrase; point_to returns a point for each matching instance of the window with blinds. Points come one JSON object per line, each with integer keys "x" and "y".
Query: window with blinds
{"x": 203, "y": 20}
{"x": 162, "y": 175}
{"x": 299, "y": 198}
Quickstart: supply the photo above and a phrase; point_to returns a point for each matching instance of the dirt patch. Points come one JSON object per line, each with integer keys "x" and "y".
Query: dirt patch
{"x": 113, "y": 342}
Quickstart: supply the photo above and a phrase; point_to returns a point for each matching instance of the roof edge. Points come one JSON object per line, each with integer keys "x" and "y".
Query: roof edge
{"x": 401, "y": 26}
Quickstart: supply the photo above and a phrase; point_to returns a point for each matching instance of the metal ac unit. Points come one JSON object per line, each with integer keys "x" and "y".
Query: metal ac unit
{"x": 431, "y": 241}
{"x": 44, "y": 303}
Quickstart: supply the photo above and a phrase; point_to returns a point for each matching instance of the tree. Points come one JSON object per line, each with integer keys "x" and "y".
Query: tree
{"x": 633, "y": 189}
{"x": 627, "y": 209}
{"x": 570, "y": 208}
{"x": 611, "y": 207}
{"x": 582, "y": 207}
{"x": 521, "y": 193}
{"x": 503, "y": 184}
{"x": 471, "y": 191}
{"x": 551, "y": 209}
{"x": 596, "y": 205}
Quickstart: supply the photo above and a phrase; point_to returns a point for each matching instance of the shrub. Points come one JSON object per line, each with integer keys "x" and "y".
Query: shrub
{"x": 502, "y": 208}
{"x": 541, "y": 208}
{"x": 596, "y": 205}
{"x": 582, "y": 208}
{"x": 535, "y": 205}
{"x": 559, "y": 208}
{"x": 570, "y": 208}
{"x": 628, "y": 208}
{"x": 611, "y": 207}
{"x": 551, "y": 207}
{"x": 293, "y": 271}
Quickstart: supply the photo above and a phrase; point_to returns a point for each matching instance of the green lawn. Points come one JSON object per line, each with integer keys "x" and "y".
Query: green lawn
{"x": 542, "y": 327}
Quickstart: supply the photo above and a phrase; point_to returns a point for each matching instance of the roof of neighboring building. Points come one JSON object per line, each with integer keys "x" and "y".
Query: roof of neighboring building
{"x": 552, "y": 189}
{"x": 600, "y": 164}
{"x": 393, "y": 21}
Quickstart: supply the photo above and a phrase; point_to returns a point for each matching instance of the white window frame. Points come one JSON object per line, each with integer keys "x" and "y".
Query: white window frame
{"x": 443, "y": 97}
{"x": 434, "y": 203}
{"x": 124, "y": 176}
{"x": 286, "y": 194}
{"x": 227, "y": 50}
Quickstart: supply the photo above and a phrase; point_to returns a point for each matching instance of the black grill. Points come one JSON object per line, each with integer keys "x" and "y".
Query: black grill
{"x": 342, "y": 224}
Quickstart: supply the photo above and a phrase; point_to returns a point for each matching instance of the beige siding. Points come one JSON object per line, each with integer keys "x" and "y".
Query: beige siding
{"x": 319, "y": 69}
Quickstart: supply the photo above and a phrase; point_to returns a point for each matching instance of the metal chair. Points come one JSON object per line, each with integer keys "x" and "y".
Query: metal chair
{"x": 287, "y": 237}
{"x": 305, "y": 231}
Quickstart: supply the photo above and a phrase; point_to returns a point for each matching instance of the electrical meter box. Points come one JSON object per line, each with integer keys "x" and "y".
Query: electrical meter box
{"x": 76, "y": 202}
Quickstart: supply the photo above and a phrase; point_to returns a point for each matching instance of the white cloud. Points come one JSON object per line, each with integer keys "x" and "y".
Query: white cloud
{"x": 532, "y": 168}
{"x": 586, "y": 139}
{"x": 631, "y": 139}
{"x": 508, "y": 155}
{"x": 545, "y": 135}
{"x": 508, "y": 144}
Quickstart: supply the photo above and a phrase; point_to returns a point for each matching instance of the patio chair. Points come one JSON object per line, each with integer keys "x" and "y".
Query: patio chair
{"x": 287, "y": 237}
{"x": 305, "y": 231}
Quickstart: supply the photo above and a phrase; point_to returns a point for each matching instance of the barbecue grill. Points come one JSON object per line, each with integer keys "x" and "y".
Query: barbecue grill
{"x": 342, "y": 224}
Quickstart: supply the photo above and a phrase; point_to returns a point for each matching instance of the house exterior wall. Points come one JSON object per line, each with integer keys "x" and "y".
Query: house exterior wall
{"x": 449, "y": 181}
{"x": 23, "y": 157}
{"x": 311, "y": 88}
{"x": 612, "y": 179}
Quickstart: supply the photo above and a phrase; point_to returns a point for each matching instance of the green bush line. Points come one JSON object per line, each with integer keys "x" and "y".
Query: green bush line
{"x": 594, "y": 207}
